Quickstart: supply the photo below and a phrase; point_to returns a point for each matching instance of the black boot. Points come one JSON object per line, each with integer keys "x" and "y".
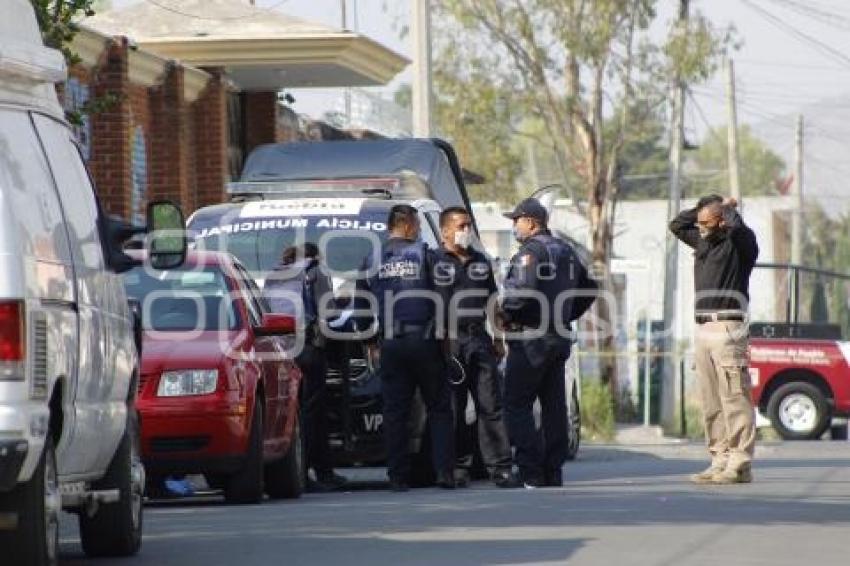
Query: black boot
{"x": 445, "y": 480}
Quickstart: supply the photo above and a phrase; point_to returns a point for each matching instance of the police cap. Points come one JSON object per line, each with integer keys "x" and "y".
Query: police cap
{"x": 531, "y": 208}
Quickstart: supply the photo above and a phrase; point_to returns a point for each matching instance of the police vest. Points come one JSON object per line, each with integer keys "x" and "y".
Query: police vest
{"x": 557, "y": 271}
{"x": 403, "y": 267}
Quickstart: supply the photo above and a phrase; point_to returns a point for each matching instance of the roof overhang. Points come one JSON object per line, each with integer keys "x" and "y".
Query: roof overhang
{"x": 145, "y": 68}
{"x": 273, "y": 63}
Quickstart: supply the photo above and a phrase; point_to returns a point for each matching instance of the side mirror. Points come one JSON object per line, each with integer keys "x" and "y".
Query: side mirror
{"x": 167, "y": 242}
{"x": 276, "y": 325}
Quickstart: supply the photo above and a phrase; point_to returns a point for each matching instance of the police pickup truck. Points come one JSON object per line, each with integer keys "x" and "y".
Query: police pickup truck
{"x": 337, "y": 195}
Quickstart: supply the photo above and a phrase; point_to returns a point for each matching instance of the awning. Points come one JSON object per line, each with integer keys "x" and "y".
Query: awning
{"x": 260, "y": 49}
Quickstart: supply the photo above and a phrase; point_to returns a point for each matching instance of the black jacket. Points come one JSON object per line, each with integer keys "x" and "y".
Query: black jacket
{"x": 722, "y": 263}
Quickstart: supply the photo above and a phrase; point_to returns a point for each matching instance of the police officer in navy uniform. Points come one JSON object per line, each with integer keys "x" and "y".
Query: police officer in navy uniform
{"x": 466, "y": 280}
{"x": 411, "y": 355}
{"x": 542, "y": 269}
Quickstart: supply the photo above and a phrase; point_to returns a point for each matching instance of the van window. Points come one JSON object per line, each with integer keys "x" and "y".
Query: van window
{"x": 29, "y": 192}
{"x": 75, "y": 190}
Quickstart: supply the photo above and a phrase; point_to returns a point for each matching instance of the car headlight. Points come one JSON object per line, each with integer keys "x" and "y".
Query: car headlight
{"x": 187, "y": 382}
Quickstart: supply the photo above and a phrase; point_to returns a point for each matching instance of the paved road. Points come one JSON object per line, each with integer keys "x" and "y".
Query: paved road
{"x": 621, "y": 507}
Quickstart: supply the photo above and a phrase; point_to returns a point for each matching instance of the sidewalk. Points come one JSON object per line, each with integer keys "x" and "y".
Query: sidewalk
{"x": 639, "y": 435}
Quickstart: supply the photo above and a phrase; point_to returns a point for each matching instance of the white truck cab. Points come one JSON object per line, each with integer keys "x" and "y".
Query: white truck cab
{"x": 68, "y": 357}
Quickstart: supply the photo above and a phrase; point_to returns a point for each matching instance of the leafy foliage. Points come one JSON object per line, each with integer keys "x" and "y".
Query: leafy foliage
{"x": 57, "y": 20}
{"x": 760, "y": 167}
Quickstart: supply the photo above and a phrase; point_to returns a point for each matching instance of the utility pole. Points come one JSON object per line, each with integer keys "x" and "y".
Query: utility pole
{"x": 421, "y": 35}
{"x": 797, "y": 215}
{"x": 671, "y": 268}
{"x": 733, "y": 160}
{"x": 347, "y": 96}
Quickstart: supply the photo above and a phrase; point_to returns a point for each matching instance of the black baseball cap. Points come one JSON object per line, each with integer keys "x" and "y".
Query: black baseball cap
{"x": 530, "y": 207}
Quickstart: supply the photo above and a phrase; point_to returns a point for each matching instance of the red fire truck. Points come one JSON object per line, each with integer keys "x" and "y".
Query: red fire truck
{"x": 800, "y": 367}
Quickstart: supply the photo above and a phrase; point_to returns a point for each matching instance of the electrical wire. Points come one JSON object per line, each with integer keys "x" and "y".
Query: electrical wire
{"x": 778, "y": 22}
{"x": 162, "y": 6}
{"x": 814, "y": 12}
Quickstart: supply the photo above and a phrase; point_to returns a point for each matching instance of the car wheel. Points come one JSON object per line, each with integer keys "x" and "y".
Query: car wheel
{"x": 37, "y": 503}
{"x": 246, "y": 485}
{"x": 115, "y": 529}
{"x": 799, "y": 411}
{"x": 574, "y": 426}
{"x": 286, "y": 478}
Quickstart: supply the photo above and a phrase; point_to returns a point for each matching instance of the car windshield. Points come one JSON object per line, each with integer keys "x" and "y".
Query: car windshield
{"x": 262, "y": 230}
{"x": 187, "y": 299}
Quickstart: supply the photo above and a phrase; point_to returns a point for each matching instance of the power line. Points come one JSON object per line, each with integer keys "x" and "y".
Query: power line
{"x": 791, "y": 30}
{"x": 159, "y": 4}
{"x": 821, "y": 15}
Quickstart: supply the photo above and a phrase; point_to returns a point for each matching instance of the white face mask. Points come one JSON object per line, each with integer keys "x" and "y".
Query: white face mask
{"x": 463, "y": 238}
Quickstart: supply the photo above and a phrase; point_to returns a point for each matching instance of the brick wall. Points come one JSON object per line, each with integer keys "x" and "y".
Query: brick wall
{"x": 260, "y": 110}
{"x": 209, "y": 118}
{"x": 110, "y": 147}
{"x": 170, "y": 142}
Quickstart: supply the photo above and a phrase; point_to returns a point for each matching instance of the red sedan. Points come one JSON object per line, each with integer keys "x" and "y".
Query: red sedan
{"x": 218, "y": 391}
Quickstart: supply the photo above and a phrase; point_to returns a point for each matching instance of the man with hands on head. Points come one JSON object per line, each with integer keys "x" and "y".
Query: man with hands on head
{"x": 725, "y": 252}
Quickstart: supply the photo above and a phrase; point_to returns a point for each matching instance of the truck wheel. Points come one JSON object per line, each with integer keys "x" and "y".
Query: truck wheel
{"x": 116, "y": 528}
{"x": 38, "y": 503}
{"x": 799, "y": 411}
{"x": 246, "y": 485}
{"x": 574, "y": 426}
{"x": 286, "y": 478}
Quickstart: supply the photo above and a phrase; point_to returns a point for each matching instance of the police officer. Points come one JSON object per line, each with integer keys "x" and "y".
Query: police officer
{"x": 542, "y": 269}
{"x": 411, "y": 356}
{"x": 465, "y": 277}
{"x": 300, "y": 275}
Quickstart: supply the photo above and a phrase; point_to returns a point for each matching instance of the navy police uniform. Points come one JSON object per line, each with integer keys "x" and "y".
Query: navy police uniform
{"x": 535, "y": 365}
{"x": 411, "y": 356}
{"x": 473, "y": 347}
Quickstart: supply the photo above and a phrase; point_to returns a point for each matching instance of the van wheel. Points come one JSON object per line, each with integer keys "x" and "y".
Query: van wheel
{"x": 573, "y": 425}
{"x": 37, "y": 504}
{"x": 286, "y": 478}
{"x": 799, "y": 411}
{"x": 246, "y": 485}
{"x": 116, "y": 528}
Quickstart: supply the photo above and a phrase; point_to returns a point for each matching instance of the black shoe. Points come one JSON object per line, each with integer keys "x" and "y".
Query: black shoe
{"x": 461, "y": 477}
{"x": 506, "y": 480}
{"x": 554, "y": 478}
{"x": 445, "y": 480}
{"x": 532, "y": 482}
{"x": 331, "y": 480}
{"x": 398, "y": 486}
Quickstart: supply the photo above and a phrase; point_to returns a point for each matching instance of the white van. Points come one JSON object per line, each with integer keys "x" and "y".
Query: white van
{"x": 68, "y": 358}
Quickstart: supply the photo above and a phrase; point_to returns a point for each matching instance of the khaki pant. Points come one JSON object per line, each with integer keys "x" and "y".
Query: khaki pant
{"x": 721, "y": 365}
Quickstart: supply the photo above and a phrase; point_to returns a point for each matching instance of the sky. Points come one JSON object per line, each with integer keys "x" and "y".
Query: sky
{"x": 780, "y": 72}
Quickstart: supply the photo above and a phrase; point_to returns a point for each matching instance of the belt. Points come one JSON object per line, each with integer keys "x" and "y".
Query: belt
{"x": 703, "y": 317}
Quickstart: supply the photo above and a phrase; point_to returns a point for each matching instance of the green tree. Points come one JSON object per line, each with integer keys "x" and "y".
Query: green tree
{"x": 57, "y": 20}
{"x": 760, "y": 167}
{"x": 580, "y": 68}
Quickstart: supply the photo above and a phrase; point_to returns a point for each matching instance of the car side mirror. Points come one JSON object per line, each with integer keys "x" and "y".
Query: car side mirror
{"x": 166, "y": 229}
{"x": 276, "y": 325}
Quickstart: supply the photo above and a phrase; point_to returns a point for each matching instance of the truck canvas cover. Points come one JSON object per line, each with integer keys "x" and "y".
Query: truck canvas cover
{"x": 432, "y": 161}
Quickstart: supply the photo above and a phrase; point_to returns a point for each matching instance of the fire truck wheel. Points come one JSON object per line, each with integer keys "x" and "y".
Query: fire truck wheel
{"x": 799, "y": 411}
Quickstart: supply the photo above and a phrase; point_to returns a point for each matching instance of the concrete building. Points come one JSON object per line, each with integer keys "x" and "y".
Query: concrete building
{"x": 182, "y": 96}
